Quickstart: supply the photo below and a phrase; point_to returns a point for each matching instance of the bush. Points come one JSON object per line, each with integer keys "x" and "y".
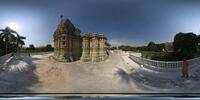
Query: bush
{"x": 150, "y": 54}
{"x": 31, "y": 47}
{"x": 49, "y": 47}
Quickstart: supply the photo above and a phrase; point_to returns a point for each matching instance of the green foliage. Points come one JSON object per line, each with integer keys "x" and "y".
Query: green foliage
{"x": 160, "y": 47}
{"x": 131, "y": 48}
{"x": 2, "y": 44}
{"x": 142, "y": 48}
{"x": 168, "y": 56}
{"x": 10, "y": 41}
{"x": 155, "y": 47}
{"x": 127, "y": 48}
{"x": 150, "y": 54}
{"x": 108, "y": 44}
{"x": 198, "y": 43}
{"x": 113, "y": 48}
{"x": 151, "y": 46}
{"x": 31, "y": 47}
{"x": 185, "y": 44}
{"x": 49, "y": 47}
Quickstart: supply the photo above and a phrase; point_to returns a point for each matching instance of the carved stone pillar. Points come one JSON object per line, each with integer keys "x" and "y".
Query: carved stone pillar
{"x": 86, "y": 49}
{"x": 95, "y": 49}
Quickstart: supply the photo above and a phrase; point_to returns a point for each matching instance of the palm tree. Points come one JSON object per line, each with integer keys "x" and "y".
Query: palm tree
{"x": 20, "y": 41}
{"x": 8, "y": 37}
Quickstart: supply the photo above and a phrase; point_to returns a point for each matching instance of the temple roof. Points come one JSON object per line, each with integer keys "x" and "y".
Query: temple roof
{"x": 93, "y": 34}
{"x": 66, "y": 23}
{"x": 66, "y": 26}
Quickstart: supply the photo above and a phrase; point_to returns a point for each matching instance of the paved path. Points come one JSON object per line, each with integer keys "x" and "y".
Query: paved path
{"x": 168, "y": 82}
{"x": 118, "y": 74}
{"x": 79, "y": 77}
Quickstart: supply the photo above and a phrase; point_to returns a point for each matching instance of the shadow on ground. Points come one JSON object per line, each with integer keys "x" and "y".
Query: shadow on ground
{"x": 131, "y": 78}
{"x": 19, "y": 81}
{"x": 153, "y": 84}
{"x": 36, "y": 59}
{"x": 123, "y": 75}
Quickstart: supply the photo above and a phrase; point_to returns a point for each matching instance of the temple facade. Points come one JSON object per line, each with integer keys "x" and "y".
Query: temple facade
{"x": 94, "y": 47}
{"x": 70, "y": 46}
{"x": 67, "y": 42}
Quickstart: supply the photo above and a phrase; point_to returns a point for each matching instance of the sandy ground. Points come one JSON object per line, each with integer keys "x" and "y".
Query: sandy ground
{"x": 82, "y": 77}
{"x": 118, "y": 74}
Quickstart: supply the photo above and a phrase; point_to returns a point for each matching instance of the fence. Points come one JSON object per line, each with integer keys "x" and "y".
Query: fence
{"x": 164, "y": 65}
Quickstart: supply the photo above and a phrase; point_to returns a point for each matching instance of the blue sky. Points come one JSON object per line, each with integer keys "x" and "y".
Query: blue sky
{"x": 132, "y": 22}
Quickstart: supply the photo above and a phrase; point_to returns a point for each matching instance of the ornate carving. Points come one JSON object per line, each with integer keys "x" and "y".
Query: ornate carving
{"x": 67, "y": 42}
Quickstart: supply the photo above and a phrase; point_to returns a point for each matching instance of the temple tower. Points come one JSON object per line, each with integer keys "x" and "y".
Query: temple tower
{"x": 94, "y": 47}
{"x": 86, "y": 48}
{"x": 101, "y": 47}
{"x": 67, "y": 42}
{"x": 69, "y": 45}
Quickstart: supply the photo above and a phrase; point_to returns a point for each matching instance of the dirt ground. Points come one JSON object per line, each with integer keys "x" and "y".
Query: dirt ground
{"x": 80, "y": 77}
{"x": 118, "y": 74}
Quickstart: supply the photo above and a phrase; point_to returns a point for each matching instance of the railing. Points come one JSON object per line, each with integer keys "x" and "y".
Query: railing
{"x": 164, "y": 65}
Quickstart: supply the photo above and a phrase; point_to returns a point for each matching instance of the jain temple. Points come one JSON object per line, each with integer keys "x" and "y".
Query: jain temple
{"x": 70, "y": 46}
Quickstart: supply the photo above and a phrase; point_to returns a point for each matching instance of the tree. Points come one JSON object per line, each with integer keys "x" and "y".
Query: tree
{"x": 151, "y": 46}
{"x": 31, "y": 47}
{"x": 125, "y": 48}
{"x": 160, "y": 47}
{"x": 49, "y": 47}
{"x": 20, "y": 41}
{"x": 113, "y": 48}
{"x": 10, "y": 40}
{"x": 108, "y": 44}
{"x": 17, "y": 42}
{"x": 185, "y": 44}
{"x": 198, "y": 42}
{"x": 2, "y": 47}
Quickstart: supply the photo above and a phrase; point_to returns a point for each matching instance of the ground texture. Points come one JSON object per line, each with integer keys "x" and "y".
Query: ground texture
{"x": 118, "y": 74}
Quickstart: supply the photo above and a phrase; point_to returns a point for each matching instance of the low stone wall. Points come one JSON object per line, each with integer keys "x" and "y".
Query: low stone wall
{"x": 164, "y": 65}
{"x": 161, "y": 66}
{"x": 33, "y": 53}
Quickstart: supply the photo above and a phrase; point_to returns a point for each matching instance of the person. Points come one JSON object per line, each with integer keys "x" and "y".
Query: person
{"x": 29, "y": 53}
{"x": 185, "y": 69}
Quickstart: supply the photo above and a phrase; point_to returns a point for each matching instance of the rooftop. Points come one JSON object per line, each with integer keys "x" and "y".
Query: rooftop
{"x": 92, "y": 34}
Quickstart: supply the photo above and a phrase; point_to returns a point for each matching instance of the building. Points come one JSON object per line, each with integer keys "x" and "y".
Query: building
{"x": 67, "y": 42}
{"x": 70, "y": 46}
{"x": 94, "y": 47}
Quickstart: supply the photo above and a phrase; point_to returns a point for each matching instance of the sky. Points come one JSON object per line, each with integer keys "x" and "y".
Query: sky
{"x": 123, "y": 22}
